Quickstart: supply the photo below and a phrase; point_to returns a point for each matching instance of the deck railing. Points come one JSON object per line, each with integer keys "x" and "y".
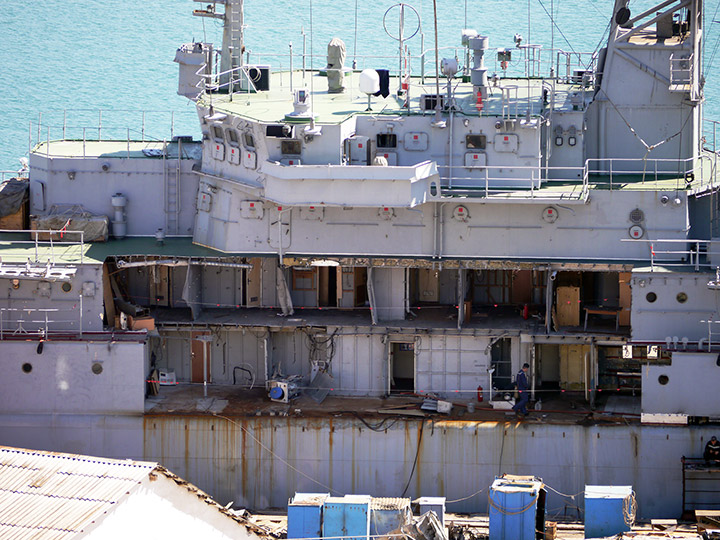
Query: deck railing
{"x": 7, "y": 175}
{"x": 89, "y": 125}
{"x": 682, "y": 252}
{"x": 56, "y": 240}
{"x": 576, "y": 182}
{"x": 42, "y": 322}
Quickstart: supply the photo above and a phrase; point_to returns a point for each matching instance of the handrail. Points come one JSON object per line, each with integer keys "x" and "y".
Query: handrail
{"x": 44, "y": 326}
{"x": 698, "y": 254}
{"x": 546, "y": 62}
{"x": 7, "y": 175}
{"x": 37, "y": 242}
{"x": 104, "y": 125}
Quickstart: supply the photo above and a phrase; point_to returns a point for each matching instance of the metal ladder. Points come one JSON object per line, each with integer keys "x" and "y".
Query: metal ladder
{"x": 171, "y": 173}
{"x": 234, "y": 17}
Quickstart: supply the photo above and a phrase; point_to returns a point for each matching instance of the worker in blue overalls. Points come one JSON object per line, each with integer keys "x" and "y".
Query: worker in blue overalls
{"x": 523, "y": 388}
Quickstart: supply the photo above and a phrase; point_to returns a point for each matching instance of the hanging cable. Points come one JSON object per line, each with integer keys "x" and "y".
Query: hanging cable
{"x": 554, "y": 25}
{"x": 269, "y": 451}
{"x": 478, "y": 492}
{"x": 417, "y": 453}
{"x": 648, "y": 147}
{"x": 708, "y": 66}
{"x": 563, "y": 494}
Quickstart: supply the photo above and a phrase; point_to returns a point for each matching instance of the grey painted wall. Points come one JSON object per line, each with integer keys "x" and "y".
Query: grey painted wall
{"x": 113, "y": 436}
{"x": 666, "y": 315}
{"x": 61, "y": 380}
{"x": 455, "y": 459}
{"x": 139, "y": 179}
{"x": 692, "y": 383}
{"x": 66, "y": 317}
{"x": 588, "y": 231}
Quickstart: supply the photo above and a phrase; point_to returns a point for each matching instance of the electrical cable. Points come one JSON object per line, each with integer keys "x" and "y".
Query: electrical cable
{"x": 415, "y": 461}
{"x": 708, "y": 66}
{"x": 269, "y": 451}
{"x": 465, "y": 498}
{"x": 380, "y": 426}
{"x": 512, "y": 511}
{"x": 552, "y": 20}
{"x": 564, "y": 494}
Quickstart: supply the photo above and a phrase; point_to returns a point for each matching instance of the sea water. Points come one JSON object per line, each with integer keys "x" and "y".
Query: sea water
{"x": 108, "y": 65}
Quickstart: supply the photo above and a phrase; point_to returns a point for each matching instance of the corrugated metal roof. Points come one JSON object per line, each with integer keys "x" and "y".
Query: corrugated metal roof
{"x": 54, "y": 495}
{"x": 389, "y": 503}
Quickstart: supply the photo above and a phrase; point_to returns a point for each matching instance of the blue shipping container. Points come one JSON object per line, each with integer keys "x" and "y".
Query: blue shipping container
{"x": 604, "y": 510}
{"x": 517, "y": 508}
{"x": 347, "y": 516}
{"x": 305, "y": 515}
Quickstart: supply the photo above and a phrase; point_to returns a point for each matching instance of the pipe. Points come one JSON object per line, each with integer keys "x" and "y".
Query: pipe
{"x": 178, "y": 262}
{"x": 441, "y": 242}
{"x": 532, "y": 364}
{"x": 435, "y": 229}
{"x": 205, "y": 370}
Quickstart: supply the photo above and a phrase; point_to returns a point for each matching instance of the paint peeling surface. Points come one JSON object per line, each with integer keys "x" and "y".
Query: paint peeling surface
{"x": 261, "y": 461}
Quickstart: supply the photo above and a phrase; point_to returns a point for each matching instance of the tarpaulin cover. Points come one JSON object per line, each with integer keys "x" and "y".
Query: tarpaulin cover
{"x": 13, "y": 193}
{"x": 95, "y": 226}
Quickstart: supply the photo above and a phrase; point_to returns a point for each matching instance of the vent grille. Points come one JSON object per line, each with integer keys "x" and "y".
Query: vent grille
{"x": 637, "y": 216}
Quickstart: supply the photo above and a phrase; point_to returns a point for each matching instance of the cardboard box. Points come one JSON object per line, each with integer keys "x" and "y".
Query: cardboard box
{"x": 142, "y": 323}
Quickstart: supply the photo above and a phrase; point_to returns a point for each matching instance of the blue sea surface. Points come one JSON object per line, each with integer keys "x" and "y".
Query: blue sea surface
{"x": 85, "y": 64}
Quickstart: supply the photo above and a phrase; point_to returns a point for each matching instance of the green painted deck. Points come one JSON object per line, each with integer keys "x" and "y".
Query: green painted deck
{"x": 19, "y": 248}
{"x": 72, "y": 148}
{"x": 272, "y": 106}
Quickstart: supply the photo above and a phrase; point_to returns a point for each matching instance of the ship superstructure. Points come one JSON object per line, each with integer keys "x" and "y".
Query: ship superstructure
{"x": 348, "y": 233}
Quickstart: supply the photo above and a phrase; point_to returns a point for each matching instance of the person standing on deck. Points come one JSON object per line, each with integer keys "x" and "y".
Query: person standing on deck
{"x": 521, "y": 381}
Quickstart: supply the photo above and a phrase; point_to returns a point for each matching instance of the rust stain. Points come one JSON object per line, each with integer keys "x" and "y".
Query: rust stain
{"x": 419, "y": 429}
{"x": 243, "y": 458}
{"x": 291, "y": 436}
{"x": 331, "y": 429}
{"x": 635, "y": 444}
{"x": 187, "y": 448}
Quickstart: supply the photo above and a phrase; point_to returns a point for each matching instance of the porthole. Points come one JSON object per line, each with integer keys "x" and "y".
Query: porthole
{"x": 651, "y": 297}
{"x": 681, "y": 297}
{"x": 663, "y": 379}
{"x": 66, "y": 286}
{"x": 27, "y": 367}
{"x": 97, "y": 368}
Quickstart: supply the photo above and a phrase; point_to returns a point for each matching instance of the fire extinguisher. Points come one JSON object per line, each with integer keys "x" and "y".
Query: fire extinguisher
{"x": 480, "y": 394}
{"x": 526, "y": 312}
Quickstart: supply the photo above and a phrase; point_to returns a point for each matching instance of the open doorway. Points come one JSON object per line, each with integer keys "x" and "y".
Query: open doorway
{"x": 402, "y": 367}
{"x": 501, "y": 359}
{"x": 327, "y": 286}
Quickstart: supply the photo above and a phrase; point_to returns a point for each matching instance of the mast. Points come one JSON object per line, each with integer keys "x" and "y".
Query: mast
{"x": 233, "y": 43}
